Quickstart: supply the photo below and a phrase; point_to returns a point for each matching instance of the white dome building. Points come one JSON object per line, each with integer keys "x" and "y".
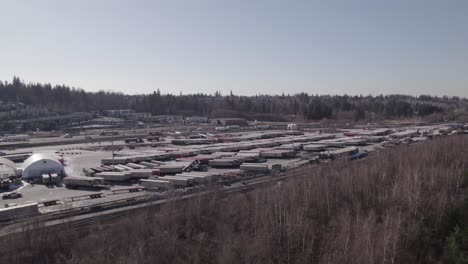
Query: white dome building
{"x": 7, "y": 168}
{"x": 39, "y": 164}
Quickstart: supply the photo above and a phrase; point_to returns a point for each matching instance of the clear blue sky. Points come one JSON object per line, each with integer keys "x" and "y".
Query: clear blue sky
{"x": 249, "y": 47}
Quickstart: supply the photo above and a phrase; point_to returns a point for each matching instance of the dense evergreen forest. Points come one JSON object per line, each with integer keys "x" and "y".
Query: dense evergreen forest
{"x": 63, "y": 99}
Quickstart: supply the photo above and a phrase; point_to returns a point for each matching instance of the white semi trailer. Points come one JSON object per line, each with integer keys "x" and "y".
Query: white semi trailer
{"x": 81, "y": 181}
{"x": 12, "y": 138}
{"x": 156, "y": 184}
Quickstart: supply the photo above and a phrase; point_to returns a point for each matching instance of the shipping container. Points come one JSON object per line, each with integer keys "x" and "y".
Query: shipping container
{"x": 156, "y": 184}
{"x": 254, "y": 167}
{"x": 88, "y": 172}
{"x": 107, "y": 167}
{"x": 249, "y": 156}
{"x": 116, "y": 160}
{"x": 125, "y": 167}
{"x": 338, "y": 153}
{"x": 225, "y": 162}
{"x": 98, "y": 169}
{"x": 135, "y": 166}
{"x": 141, "y": 173}
{"x": 117, "y": 168}
{"x": 149, "y": 165}
{"x": 196, "y": 178}
{"x": 178, "y": 181}
{"x": 277, "y": 153}
{"x": 315, "y": 147}
{"x": 114, "y": 176}
{"x": 170, "y": 169}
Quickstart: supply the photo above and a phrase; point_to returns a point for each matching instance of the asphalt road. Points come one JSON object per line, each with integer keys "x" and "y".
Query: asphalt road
{"x": 40, "y": 193}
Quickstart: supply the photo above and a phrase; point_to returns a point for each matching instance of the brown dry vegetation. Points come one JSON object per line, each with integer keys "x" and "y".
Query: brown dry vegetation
{"x": 377, "y": 210}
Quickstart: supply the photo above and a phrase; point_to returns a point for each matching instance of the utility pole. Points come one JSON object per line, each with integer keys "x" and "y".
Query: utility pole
{"x": 112, "y": 140}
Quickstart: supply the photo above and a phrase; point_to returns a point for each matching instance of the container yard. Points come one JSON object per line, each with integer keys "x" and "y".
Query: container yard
{"x": 186, "y": 163}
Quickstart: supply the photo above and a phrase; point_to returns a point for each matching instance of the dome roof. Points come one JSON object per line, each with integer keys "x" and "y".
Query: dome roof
{"x": 10, "y": 164}
{"x": 7, "y": 163}
{"x": 39, "y": 163}
{"x": 37, "y": 157}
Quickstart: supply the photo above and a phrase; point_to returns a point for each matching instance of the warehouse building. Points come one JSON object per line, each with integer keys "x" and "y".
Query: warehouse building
{"x": 39, "y": 164}
{"x": 230, "y": 121}
{"x": 196, "y": 119}
{"x": 54, "y": 122}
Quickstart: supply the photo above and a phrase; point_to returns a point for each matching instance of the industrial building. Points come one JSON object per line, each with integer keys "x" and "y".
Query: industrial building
{"x": 121, "y": 113}
{"x": 196, "y": 119}
{"x": 164, "y": 119}
{"x": 39, "y": 164}
{"x": 230, "y": 121}
{"x": 291, "y": 127}
{"x": 111, "y": 122}
{"x": 55, "y": 122}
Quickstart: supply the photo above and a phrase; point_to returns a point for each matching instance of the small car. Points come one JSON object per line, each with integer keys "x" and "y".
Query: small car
{"x": 11, "y": 195}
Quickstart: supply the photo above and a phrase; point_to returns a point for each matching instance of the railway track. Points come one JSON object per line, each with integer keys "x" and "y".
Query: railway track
{"x": 74, "y": 221}
{"x": 112, "y": 212}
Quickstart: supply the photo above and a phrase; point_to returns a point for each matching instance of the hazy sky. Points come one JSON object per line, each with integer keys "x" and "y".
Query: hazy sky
{"x": 249, "y": 47}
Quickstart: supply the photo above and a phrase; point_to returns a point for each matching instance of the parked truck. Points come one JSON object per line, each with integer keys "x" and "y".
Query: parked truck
{"x": 11, "y": 138}
{"x": 73, "y": 182}
{"x": 134, "y": 140}
{"x": 50, "y": 178}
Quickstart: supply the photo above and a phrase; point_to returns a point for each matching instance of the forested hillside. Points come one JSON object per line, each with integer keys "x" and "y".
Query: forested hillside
{"x": 62, "y": 99}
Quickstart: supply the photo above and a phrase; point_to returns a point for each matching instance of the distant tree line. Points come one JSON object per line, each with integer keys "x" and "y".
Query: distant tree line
{"x": 64, "y": 99}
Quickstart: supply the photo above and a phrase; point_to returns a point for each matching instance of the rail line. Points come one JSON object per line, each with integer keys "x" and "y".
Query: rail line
{"x": 76, "y": 221}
